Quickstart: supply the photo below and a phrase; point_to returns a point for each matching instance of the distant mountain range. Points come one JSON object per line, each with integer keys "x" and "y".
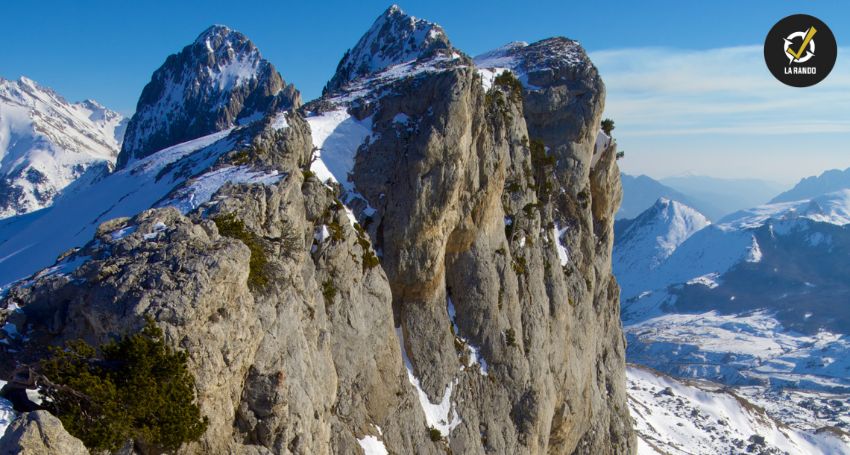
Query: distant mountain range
{"x": 713, "y": 197}
{"x": 759, "y": 297}
{"x": 809, "y": 187}
{"x": 640, "y": 192}
{"x": 721, "y": 196}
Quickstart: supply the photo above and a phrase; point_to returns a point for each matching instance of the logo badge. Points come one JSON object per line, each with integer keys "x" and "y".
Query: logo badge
{"x": 800, "y": 50}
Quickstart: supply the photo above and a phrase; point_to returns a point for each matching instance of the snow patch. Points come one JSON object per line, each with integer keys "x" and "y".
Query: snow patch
{"x": 563, "y": 254}
{"x": 201, "y": 189}
{"x": 441, "y": 415}
{"x": 708, "y": 280}
{"x": 280, "y": 122}
{"x": 7, "y": 412}
{"x": 157, "y": 228}
{"x": 371, "y": 445}
{"x": 337, "y": 135}
{"x": 754, "y": 254}
{"x": 401, "y": 118}
{"x": 473, "y": 352}
{"x": 123, "y": 232}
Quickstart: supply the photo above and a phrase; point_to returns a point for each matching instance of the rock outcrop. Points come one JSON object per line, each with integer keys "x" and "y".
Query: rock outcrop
{"x": 448, "y": 291}
{"x": 216, "y": 82}
{"x": 39, "y": 433}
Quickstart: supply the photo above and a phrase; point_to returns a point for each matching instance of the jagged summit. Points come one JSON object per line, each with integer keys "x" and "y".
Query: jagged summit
{"x": 394, "y": 38}
{"x": 217, "y": 82}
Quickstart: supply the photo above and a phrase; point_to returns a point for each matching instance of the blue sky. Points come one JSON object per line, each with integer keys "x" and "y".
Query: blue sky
{"x": 686, "y": 80}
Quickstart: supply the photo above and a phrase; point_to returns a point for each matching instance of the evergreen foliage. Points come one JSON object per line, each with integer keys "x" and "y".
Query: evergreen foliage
{"x": 137, "y": 389}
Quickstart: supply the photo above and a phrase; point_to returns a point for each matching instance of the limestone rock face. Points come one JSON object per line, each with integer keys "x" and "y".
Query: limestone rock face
{"x": 450, "y": 292}
{"x": 216, "y": 82}
{"x": 39, "y": 433}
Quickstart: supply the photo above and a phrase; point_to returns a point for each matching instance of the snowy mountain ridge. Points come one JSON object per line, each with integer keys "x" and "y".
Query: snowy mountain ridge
{"x": 831, "y": 208}
{"x": 47, "y": 142}
{"x": 222, "y": 68}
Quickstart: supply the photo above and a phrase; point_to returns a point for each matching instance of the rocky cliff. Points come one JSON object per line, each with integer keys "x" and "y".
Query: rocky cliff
{"x": 435, "y": 273}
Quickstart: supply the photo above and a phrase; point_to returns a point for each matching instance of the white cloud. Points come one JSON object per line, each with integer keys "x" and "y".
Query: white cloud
{"x": 653, "y": 91}
{"x": 720, "y": 112}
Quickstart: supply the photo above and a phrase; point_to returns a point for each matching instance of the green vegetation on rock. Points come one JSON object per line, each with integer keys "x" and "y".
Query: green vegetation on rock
{"x": 230, "y": 226}
{"x": 137, "y": 389}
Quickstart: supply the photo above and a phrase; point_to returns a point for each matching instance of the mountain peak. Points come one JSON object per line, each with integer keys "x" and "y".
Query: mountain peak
{"x": 211, "y": 85}
{"x": 657, "y": 232}
{"x": 215, "y": 30}
{"x": 218, "y": 39}
{"x": 663, "y": 202}
{"x": 395, "y": 37}
{"x": 670, "y": 209}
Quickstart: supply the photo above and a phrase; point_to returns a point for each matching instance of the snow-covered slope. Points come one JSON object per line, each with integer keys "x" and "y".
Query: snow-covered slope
{"x": 46, "y": 143}
{"x": 741, "y": 349}
{"x": 831, "y": 208}
{"x": 27, "y": 245}
{"x": 694, "y": 418}
{"x": 809, "y": 187}
{"x": 215, "y": 83}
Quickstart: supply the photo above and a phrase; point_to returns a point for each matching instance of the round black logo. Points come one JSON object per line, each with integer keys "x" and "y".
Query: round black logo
{"x": 800, "y": 50}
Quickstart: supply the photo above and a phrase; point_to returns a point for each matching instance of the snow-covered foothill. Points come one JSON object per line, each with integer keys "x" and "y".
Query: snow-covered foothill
{"x": 700, "y": 418}
{"x": 741, "y": 349}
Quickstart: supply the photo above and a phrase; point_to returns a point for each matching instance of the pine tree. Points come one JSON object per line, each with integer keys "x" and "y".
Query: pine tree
{"x": 138, "y": 388}
{"x": 607, "y": 126}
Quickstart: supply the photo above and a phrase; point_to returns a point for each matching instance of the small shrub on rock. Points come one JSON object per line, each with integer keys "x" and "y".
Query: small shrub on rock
{"x": 230, "y": 226}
